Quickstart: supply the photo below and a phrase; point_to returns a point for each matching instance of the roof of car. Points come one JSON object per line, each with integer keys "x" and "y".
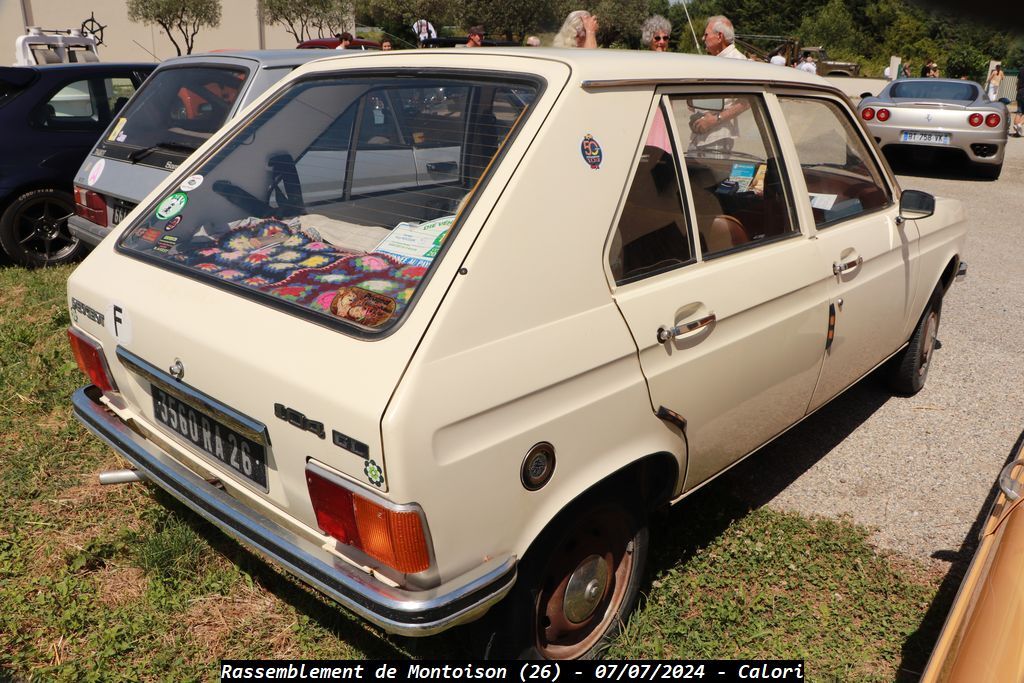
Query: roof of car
{"x": 606, "y": 66}
{"x": 265, "y": 58}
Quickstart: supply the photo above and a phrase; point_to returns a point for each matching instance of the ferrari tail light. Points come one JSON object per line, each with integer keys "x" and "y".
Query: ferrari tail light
{"x": 975, "y": 119}
{"x": 883, "y": 114}
{"x": 91, "y": 206}
{"x": 993, "y": 120}
{"x": 395, "y": 537}
{"x": 89, "y": 356}
{"x": 867, "y": 113}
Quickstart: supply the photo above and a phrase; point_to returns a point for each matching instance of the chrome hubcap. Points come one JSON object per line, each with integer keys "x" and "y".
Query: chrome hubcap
{"x": 586, "y": 588}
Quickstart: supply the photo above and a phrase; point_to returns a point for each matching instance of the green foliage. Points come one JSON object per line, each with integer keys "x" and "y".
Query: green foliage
{"x": 306, "y": 19}
{"x": 966, "y": 60}
{"x": 832, "y": 27}
{"x": 184, "y": 17}
{"x": 513, "y": 20}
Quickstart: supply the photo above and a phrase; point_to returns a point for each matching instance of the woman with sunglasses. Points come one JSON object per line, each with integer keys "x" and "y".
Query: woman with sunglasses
{"x": 655, "y": 33}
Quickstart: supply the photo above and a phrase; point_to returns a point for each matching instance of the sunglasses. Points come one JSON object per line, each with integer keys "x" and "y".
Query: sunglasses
{"x": 661, "y": 39}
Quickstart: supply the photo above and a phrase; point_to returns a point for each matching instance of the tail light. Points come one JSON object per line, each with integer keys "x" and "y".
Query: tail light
{"x": 394, "y": 536}
{"x": 975, "y": 119}
{"x": 91, "y": 206}
{"x": 883, "y": 115}
{"x": 89, "y": 356}
{"x": 992, "y": 120}
{"x": 867, "y": 113}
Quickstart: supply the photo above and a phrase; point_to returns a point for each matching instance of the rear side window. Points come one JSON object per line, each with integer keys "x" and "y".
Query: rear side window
{"x": 83, "y": 105}
{"x": 175, "y": 112}
{"x": 843, "y": 179}
{"x": 337, "y": 199}
{"x": 653, "y": 234}
{"x": 935, "y": 90}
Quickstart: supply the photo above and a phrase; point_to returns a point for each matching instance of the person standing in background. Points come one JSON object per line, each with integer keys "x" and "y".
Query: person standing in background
{"x": 578, "y": 30}
{"x": 476, "y": 36}
{"x": 994, "y": 80}
{"x": 655, "y": 33}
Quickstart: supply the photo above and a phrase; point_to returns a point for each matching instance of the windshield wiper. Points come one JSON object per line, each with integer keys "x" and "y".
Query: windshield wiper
{"x": 138, "y": 154}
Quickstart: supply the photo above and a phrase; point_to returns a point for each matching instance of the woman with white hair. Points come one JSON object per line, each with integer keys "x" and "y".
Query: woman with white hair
{"x": 578, "y": 30}
{"x": 655, "y": 33}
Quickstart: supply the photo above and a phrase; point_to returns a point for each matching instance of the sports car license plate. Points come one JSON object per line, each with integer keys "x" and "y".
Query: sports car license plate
{"x": 921, "y": 136}
{"x": 242, "y": 455}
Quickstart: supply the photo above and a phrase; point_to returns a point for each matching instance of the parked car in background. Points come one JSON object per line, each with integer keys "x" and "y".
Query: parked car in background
{"x": 547, "y": 292}
{"x": 928, "y": 117}
{"x": 50, "y": 116}
{"x": 186, "y": 100}
{"x": 333, "y": 43}
{"x": 980, "y": 641}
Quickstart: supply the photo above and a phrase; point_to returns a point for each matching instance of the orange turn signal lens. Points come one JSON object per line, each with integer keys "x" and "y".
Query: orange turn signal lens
{"x": 395, "y": 537}
{"x": 91, "y": 362}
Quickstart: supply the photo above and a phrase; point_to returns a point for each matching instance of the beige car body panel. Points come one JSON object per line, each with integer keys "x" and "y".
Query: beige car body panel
{"x": 980, "y": 641}
{"x": 520, "y": 335}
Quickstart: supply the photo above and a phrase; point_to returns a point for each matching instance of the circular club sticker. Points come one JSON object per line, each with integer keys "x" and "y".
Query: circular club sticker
{"x": 96, "y": 171}
{"x": 171, "y": 206}
{"x": 191, "y": 183}
{"x": 591, "y": 151}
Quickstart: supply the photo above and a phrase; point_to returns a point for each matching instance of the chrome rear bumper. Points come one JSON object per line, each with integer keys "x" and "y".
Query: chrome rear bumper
{"x": 410, "y": 613}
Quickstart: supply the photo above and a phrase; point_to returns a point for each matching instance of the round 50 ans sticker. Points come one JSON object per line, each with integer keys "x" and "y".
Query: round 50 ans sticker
{"x": 171, "y": 206}
{"x": 191, "y": 183}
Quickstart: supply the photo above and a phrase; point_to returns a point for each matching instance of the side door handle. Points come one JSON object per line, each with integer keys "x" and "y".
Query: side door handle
{"x": 840, "y": 267}
{"x": 665, "y": 333}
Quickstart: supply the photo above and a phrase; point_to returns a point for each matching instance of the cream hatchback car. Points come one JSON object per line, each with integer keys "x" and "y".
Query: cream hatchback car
{"x": 436, "y": 331}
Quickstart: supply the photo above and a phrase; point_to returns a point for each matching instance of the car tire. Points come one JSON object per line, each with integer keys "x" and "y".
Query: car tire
{"x": 553, "y": 611}
{"x": 909, "y": 368}
{"x": 34, "y": 229}
{"x": 988, "y": 171}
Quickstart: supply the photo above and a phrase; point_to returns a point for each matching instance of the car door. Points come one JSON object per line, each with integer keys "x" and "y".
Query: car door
{"x": 869, "y": 259}
{"x": 717, "y": 284}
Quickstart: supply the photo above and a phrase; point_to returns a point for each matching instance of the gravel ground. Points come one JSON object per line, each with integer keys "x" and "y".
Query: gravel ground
{"x": 920, "y": 470}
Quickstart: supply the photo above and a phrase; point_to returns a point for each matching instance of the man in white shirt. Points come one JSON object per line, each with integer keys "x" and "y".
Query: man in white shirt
{"x": 714, "y": 126}
{"x": 777, "y": 59}
{"x": 807, "y": 64}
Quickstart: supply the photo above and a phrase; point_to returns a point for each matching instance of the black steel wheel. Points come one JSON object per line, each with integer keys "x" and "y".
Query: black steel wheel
{"x": 34, "y": 229}
{"x": 909, "y": 368}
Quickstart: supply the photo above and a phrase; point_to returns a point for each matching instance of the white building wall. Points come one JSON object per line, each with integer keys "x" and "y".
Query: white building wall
{"x": 124, "y": 40}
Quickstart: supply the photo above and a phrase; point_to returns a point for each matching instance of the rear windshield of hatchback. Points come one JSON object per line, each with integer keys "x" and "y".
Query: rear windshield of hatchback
{"x": 337, "y": 199}
{"x": 174, "y": 113}
{"x": 935, "y": 90}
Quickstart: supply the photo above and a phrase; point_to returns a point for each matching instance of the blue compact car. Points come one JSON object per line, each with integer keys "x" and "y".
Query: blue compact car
{"x": 51, "y": 116}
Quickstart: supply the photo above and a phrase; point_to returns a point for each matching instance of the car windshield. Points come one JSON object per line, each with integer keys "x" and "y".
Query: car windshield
{"x": 336, "y": 200}
{"x": 931, "y": 89}
{"x": 174, "y": 113}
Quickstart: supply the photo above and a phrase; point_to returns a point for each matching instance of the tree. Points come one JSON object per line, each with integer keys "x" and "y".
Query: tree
{"x": 306, "y": 19}
{"x": 966, "y": 60}
{"x": 185, "y": 17}
{"x": 510, "y": 18}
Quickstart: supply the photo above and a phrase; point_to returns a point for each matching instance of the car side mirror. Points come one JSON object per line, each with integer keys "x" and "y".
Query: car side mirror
{"x": 915, "y": 205}
{"x": 866, "y": 94}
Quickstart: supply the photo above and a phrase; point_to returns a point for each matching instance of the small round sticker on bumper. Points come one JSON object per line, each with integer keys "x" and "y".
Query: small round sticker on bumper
{"x": 191, "y": 183}
{"x": 171, "y": 206}
{"x": 591, "y": 151}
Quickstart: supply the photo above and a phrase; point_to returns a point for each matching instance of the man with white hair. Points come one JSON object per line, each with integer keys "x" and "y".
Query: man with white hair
{"x": 719, "y": 37}
{"x": 715, "y": 126}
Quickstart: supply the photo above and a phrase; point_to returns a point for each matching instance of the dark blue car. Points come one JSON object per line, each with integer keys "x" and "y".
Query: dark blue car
{"x": 50, "y": 117}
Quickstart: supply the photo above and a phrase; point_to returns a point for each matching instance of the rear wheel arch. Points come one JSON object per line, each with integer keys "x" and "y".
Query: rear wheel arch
{"x": 599, "y": 538}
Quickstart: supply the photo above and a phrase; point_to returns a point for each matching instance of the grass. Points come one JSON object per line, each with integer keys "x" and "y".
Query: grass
{"x": 121, "y": 583}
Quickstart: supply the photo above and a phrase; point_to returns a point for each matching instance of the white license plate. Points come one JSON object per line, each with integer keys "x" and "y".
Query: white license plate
{"x": 920, "y": 136}
{"x": 218, "y": 441}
